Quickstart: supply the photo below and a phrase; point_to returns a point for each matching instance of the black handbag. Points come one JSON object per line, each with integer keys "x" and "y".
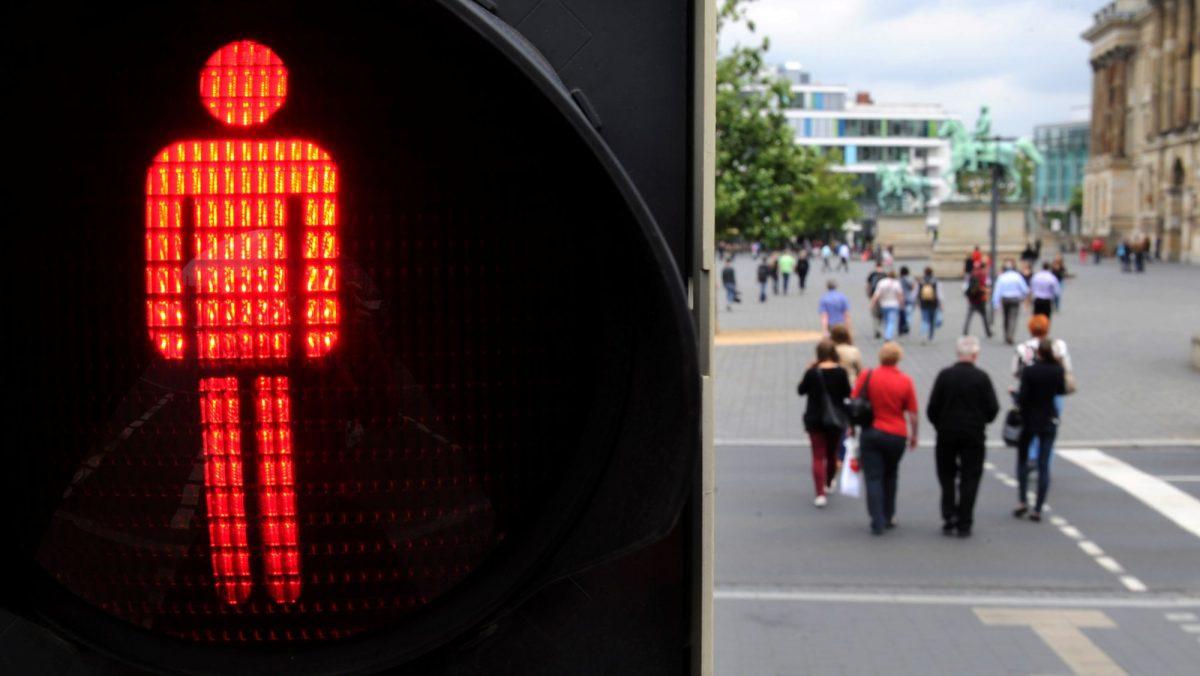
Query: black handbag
{"x": 831, "y": 416}
{"x": 859, "y": 408}
{"x": 1014, "y": 424}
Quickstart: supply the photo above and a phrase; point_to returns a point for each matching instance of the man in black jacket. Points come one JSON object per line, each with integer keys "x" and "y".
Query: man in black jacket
{"x": 961, "y": 405}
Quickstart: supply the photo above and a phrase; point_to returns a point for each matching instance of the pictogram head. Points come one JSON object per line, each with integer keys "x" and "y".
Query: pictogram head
{"x": 243, "y": 83}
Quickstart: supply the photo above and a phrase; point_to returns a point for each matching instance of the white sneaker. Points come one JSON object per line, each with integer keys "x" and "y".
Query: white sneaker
{"x": 820, "y": 501}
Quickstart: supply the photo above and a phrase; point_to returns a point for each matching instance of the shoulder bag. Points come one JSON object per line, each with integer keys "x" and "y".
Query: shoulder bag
{"x": 859, "y": 408}
{"x": 831, "y": 416}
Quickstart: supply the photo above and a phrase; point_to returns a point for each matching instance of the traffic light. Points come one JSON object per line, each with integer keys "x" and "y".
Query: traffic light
{"x": 350, "y": 339}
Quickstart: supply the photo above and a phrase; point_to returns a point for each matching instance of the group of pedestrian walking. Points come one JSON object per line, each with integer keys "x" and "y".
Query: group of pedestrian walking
{"x": 961, "y": 404}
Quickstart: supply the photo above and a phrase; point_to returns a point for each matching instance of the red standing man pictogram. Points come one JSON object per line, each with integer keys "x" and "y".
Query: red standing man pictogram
{"x": 232, "y": 284}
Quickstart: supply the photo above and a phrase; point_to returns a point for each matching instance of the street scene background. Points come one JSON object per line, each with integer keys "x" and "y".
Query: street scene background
{"x": 807, "y": 590}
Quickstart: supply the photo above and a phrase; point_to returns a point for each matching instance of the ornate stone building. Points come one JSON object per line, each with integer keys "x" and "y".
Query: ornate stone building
{"x": 1142, "y": 175}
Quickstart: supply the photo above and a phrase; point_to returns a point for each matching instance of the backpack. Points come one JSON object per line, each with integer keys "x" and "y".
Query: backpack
{"x": 973, "y": 288}
{"x": 928, "y": 293}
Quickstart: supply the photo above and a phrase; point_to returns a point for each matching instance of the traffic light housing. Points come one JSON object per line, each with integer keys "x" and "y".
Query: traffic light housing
{"x": 512, "y": 414}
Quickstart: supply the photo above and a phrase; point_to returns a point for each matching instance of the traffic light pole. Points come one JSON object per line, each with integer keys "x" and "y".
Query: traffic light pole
{"x": 703, "y": 513}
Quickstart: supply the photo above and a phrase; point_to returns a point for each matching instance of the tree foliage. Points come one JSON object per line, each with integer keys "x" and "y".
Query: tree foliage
{"x": 768, "y": 188}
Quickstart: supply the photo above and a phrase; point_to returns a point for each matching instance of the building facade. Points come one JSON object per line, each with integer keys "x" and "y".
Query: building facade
{"x": 862, "y": 135}
{"x": 1145, "y": 132}
{"x": 1064, "y": 149}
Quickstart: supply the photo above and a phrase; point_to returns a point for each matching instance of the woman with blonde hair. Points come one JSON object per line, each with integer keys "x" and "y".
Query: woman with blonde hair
{"x": 848, "y": 356}
{"x": 894, "y": 421}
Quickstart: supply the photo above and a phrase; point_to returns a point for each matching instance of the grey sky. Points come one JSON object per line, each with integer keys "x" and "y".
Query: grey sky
{"x": 1023, "y": 57}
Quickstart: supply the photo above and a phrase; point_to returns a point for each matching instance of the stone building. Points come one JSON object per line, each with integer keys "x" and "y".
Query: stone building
{"x": 1145, "y": 132}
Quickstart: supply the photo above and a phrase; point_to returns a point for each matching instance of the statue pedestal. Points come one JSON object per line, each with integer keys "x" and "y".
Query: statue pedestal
{"x": 906, "y": 233}
{"x": 966, "y": 225}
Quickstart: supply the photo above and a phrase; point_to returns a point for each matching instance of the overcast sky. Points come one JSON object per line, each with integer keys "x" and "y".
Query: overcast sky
{"x": 1023, "y": 57}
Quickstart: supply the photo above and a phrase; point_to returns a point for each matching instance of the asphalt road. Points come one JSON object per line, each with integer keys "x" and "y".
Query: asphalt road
{"x": 807, "y": 590}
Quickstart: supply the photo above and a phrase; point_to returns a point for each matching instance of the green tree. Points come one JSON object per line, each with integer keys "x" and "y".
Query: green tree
{"x": 1076, "y": 204}
{"x": 767, "y": 187}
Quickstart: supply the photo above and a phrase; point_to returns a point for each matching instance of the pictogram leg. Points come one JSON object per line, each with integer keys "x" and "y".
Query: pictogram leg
{"x": 277, "y": 488}
{"x": 223, "y": 488}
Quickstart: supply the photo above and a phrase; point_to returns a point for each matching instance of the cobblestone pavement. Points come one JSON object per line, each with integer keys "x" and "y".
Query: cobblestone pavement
{"x": 1129, "y": 336}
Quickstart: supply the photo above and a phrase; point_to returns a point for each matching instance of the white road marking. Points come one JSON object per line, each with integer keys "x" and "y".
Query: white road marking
{"x": 1179, "y": 478}
{"x": 1091, "y": 548}
{"x": 1181, "y": 617}
{"x": 803, "y": 595}
{"x": 1191, "y": 628}
{"x": 1110, "y": 564}
{"x": 1058, "y": 521}
{"x": 1071, "y": 532}
{"x": 989, "y": 466}
{"x": 1159, "y": 495}
{"x": 1062, "y": 632}
{"x": 1132, "y": 583}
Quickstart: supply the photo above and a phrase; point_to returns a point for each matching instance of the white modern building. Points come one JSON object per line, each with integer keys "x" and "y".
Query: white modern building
{"x": 863, "y": 135}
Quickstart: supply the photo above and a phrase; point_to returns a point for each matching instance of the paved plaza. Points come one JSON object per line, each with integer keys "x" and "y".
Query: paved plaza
{"x": 1129, "y": 337}
{"x": 1109, "y": 583}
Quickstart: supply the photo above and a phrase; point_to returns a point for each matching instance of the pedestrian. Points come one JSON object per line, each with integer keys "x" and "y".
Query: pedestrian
{"x": 729, "y": 281}
{"x": 826, "y": 385}
{"x": 894, "y": 405}
{"x": 787, "y": 264}
{"x": 961, "y": 405}
{"x": 1011, "y": 290}
{"x": 1029, "y": 255}
{"x": 1097, "y": 250}
{"x": 1041, "y": 382}
{"x": 889, "y": 299}
{"x": 844, "y": 257}
{"x": 910, "y": 298}
{"x": 834, "y": 307}
{"x": 1026, "y": 355}
{"x": 826, "y": 256}
{"x": 977, "y": 295}
{"x": 1044, "y": 287}
{"x": 773, "y": 270}
{"x": 929, "y": 299}
{"x": 873, "y": 279}
{"x": 1059, "y": 268}
{"x": 802, "y": 268}
{"x": 755, "y": 247}
{"x": 886, "y": 256}
{"x": 763, "y": 276}
{"x": 1140, "y": 246}
{"x": 1123, "y": 255}
{"x": 848, "y": 355}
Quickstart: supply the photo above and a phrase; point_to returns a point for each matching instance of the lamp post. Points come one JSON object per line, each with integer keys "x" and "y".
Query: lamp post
{"x": 997, "y": 177}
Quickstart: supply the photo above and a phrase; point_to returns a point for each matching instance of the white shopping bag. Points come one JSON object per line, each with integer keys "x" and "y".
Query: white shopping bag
{"x": 850, "y": 482}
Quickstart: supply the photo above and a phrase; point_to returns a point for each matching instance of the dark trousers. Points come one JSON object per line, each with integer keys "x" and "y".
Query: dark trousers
{"x": 980, "y": 309}
{"x": 1043, "y": 306}
{"x": 762, "y": 291}
{"x": 959, "y": 467}
{"x": 929, "y": 319}
{"x": 881, "y": 454}
{"x": 825, "y": 445}
{"x": 801, "y": 276}
{"x": 786, "y": 276}
{"x": 844, "y": 264}
{"x": 775, "y": 283}
{"x": 1012, "y": 313}
{"x": 1045, "y": 439}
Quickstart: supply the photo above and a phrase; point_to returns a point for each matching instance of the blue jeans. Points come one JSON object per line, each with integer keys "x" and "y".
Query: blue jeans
{"x": 928, "y": 320}
{"x": 891, "y": 322}
{"x": 1035, "y": 445}
{"x": 1045, "y": 439}
{"x": 730, "y": 293}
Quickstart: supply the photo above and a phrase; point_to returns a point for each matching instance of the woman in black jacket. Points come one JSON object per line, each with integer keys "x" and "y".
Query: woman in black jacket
{"x": 826, "y": 385}
{"x": 1041, "y": 381}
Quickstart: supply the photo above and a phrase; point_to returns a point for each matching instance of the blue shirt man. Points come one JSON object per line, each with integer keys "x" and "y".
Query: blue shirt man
{"x": 834, "y": 307}
{"x": 1010, "y": 286}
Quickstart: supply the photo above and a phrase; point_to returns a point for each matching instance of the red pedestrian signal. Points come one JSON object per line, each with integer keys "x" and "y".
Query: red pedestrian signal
{"x": 226, "y": 202}
{"x": 372, "y": 356}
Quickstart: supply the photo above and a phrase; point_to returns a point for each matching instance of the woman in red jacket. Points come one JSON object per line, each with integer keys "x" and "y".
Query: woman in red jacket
{"x": 894, "y": 403}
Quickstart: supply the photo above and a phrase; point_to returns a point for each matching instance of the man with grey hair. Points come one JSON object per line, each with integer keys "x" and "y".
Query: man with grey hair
{"x": 961, "y": 405}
